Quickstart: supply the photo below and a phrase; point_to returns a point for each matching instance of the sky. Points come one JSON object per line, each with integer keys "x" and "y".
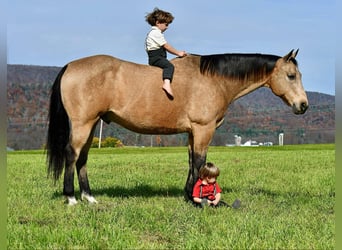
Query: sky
{"x": 53, "y": 33}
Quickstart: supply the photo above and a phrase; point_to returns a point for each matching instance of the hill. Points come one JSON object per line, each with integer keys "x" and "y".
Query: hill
{"x": 258, "y": 116}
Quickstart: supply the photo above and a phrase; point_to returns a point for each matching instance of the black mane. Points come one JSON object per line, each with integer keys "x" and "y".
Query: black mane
{"x": 238, "y": 66}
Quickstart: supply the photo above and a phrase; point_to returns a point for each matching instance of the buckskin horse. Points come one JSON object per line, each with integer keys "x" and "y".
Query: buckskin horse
{"x": 103, "y": 87}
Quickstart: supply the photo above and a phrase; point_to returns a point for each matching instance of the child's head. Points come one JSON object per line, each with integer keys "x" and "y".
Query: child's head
{"x": 160, "y": 16}
{"x": 209, "y": 170}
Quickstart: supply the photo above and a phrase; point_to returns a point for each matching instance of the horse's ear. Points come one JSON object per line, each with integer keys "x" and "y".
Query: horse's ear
{"x": 291, "y": 55}
{"x": 288, "y": 56}
{"x": 295, "y": 53}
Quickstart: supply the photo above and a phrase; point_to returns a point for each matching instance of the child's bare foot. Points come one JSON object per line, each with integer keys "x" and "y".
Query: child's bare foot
{"x": 167, "y": 88}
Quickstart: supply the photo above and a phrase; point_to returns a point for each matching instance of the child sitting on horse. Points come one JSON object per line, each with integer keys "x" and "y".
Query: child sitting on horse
{"x": 156, "y": 46}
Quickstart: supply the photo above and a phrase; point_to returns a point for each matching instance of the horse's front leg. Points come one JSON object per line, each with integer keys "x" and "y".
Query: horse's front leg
{"x": 199, "y": 141}
{"x": 189, "y": 182}
{"x": 196, "y": 161}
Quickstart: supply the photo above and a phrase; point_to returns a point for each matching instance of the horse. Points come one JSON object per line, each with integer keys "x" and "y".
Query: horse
{"x": 130, "y": 94}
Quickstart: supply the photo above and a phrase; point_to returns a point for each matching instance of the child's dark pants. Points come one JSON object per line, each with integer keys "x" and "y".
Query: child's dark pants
{"x": 158, "y": 58}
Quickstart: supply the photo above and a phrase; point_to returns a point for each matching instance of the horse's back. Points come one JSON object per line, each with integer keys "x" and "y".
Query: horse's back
{"x": 132, "y": 93}
{"x": 98, "y": 66}
{"x": 92, "y": 65}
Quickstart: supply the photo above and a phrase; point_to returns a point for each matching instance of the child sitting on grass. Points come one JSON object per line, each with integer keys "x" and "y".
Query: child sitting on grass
{"x": 207, "y": 191}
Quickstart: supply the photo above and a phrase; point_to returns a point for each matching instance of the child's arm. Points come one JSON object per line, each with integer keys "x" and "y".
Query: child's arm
{"x": 197, "y": 200}
{"x": 172, "y": 50}
{"x": 217, "y": 199}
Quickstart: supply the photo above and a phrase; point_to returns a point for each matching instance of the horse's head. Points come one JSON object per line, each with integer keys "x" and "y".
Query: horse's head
{"x": 286, "y": 82}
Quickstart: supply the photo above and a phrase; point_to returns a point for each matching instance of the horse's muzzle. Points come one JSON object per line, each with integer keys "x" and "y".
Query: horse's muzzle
{"x": 298, "y": 110}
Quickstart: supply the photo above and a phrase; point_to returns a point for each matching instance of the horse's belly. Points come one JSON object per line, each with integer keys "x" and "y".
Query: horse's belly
{"x": 147, "y": 124}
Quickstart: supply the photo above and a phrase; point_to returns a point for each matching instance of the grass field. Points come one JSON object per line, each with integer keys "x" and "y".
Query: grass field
{"x": 287, "y": 195}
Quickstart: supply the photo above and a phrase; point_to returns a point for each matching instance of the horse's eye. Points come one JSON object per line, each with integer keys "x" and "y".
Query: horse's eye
{"x": 291, "y": 77}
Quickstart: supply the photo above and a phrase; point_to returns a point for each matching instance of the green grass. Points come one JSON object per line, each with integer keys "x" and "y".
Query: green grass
{"x": 287, "y": 195}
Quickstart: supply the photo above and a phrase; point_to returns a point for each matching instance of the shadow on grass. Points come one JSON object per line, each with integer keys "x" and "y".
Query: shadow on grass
{"x": 137, "y": 191}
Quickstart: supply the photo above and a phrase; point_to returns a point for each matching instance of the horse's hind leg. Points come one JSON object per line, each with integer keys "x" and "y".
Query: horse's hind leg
{"x": 68, "y": 189}
{"x": 83, "y": 177}
{"x": 82, "y": 170}
{"x": 77, "y": 155}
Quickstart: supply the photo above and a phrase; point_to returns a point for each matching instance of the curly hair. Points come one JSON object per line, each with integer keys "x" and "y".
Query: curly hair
{"x": 160, "y": 16}
{"x": 209, "y": 170}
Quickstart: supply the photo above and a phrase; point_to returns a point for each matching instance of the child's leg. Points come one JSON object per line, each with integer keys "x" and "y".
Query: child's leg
{"x": 168, "y": 70}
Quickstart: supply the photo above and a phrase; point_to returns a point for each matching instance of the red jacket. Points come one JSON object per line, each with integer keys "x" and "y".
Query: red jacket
{"x": 206, "y": 190}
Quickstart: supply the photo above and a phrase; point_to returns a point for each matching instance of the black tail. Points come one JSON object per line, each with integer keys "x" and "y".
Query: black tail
{"x": 58, "y": 131}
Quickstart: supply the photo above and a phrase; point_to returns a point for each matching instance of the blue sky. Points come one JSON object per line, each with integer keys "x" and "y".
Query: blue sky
{"x": 53, "y": 33}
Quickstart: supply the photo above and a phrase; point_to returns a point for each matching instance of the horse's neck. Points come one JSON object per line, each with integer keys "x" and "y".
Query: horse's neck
{"x": 248, "y": 88}
{"x": 234, "y": 89}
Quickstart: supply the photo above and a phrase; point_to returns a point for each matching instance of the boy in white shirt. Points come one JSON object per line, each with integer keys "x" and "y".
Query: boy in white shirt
{"x": 156, "y": 46}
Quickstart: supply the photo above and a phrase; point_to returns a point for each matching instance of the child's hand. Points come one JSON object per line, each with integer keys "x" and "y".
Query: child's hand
{"x": 214, "y": 202}
{"x": 182, "y": 53}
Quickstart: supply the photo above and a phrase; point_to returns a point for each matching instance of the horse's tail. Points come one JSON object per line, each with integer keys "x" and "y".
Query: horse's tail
{"x": 58, "y": 131}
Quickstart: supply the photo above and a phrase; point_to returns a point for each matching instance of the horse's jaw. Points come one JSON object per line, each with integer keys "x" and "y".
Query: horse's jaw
{"x": 298, "y": 108}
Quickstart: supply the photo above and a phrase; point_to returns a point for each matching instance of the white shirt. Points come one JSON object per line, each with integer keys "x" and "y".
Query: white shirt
{"x": 155, "y": 39}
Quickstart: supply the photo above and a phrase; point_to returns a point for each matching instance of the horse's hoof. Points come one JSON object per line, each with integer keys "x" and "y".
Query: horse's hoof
{"x": 71, "y": 200}
{"x": 88, "y": 197}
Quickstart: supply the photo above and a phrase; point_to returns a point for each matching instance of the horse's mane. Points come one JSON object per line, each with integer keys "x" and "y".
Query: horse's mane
{"x": 238, "y": 66}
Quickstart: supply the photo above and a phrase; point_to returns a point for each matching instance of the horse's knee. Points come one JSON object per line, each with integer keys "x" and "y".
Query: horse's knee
{"x": 70, "y": 156}
{"x": 81, "y": 166}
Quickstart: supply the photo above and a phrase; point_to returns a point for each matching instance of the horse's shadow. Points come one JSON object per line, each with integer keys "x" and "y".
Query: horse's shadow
{"x": 142, "y": 190}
